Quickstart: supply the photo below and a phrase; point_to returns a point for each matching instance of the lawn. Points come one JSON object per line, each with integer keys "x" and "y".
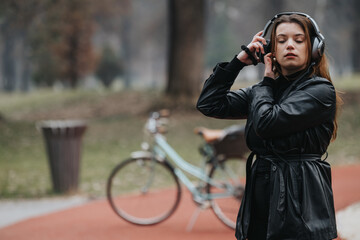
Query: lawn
{"x": 115, "y": 128}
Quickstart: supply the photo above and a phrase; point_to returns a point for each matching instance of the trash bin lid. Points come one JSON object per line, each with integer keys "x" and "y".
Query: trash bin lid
{"x": 64, "y": 128}
{"x": 61, "y": 124}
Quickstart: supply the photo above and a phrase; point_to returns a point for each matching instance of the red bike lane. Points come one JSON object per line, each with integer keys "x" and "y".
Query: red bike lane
{"x": 96, "y": 220}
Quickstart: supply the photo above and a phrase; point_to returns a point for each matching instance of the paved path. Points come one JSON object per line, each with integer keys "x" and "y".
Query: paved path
{"x": 95, "y": 220}
{"x": 348, "y": 222}
{"x": 20, "y": 209}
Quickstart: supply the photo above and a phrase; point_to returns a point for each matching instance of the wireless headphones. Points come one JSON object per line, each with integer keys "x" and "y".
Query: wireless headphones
{"x": 317, "y": 42}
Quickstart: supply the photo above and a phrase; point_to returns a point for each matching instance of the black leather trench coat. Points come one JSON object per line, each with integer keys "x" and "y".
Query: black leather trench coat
{"x": 291, "y": 129}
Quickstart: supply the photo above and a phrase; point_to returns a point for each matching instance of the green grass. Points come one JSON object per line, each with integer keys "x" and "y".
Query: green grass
{"x": 344, "y": 149}
{"x": 109, "y": 139}
{"x": 23, "y": 170}
{"x": 349, "y": 83}
{"x": 114, "y": 133}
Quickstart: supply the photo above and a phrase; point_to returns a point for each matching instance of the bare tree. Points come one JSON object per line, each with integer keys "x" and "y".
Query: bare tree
{"x": 73, "y": 27}
{"x": 16, "y": 17}
{"x": 67, "y": 31}
{"x": 356, "y": 36}
{"x": 186, "y": 47}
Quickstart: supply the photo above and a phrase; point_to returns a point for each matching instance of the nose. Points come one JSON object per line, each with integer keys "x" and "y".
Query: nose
{"x": 290, "y": 44}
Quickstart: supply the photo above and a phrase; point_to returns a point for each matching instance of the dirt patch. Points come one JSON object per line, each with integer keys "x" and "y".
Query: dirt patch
{"x": 108, "y": 105}
{"x": 99, "y": 107}
{"x": 123, "y": 103}
{"x": 351, "y": 97}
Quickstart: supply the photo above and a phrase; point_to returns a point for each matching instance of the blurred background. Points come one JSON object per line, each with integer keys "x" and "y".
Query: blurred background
{"x": 111, "y": 62}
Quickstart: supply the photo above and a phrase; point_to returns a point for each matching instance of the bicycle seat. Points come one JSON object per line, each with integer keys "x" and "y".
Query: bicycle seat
{"x": 209, "y": 135}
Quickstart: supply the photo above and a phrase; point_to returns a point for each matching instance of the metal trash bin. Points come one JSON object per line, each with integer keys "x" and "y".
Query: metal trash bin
{"x": 63, "y": 141}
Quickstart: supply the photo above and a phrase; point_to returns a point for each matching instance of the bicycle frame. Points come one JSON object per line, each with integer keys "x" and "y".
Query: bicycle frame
{"x": 216, "y": 182}
{"x": 162, "y": 148}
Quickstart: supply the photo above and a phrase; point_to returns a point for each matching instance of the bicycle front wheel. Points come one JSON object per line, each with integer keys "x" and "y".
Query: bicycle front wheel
{"x": 226, "y": 196}
{"x": 143, "y": 191}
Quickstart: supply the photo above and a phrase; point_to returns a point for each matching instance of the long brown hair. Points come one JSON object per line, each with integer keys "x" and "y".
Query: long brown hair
{"x": 320, "y": 68}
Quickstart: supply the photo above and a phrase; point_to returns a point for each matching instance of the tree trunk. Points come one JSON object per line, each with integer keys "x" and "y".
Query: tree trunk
{"x": 186, "y": 48}
{"x": 356, "y": 36}
{"x": 26, "y": 69}
{"x": 126, "y": 45}
{"x": 8, "y": 57}
{"x": 72, "y": 58}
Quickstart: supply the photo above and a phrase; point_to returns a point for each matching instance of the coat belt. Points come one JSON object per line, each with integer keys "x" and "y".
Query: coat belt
{"x": 244, "y": 212}
{"x": 292, "y": 189}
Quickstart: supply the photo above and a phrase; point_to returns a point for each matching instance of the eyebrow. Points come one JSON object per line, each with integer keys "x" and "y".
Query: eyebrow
{"x": 284, "y": 35}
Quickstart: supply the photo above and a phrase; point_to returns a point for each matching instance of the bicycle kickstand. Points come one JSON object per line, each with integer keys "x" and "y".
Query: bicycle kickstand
{"x": 196, "y": 214}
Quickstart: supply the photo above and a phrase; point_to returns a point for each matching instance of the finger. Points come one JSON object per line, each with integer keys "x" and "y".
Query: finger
{"x": 260, "y": 39}
{"x": 268, "y": 63}
{"x": 257, "y": 35}
{"x": 259, "y": 47}
{"x": 267, "y": 59}
{"x": 253, "y": 47}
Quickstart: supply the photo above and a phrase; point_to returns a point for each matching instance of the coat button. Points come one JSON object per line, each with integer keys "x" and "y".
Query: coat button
{"x": 274, "y": 168}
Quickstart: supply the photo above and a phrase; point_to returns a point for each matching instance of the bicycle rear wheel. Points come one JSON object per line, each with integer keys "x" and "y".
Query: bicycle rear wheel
{"x": 143, "y": 191}
{"x": 230, "y": 188}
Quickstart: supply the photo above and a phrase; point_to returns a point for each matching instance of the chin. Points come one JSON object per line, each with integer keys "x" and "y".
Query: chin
{"x": 294, "y": 67}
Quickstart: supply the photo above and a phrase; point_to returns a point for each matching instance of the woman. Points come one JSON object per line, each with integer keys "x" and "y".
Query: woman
{"x": 291, "y": 119}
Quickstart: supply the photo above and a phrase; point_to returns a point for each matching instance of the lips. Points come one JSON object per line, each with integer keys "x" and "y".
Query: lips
{"x": 290, "y": 55}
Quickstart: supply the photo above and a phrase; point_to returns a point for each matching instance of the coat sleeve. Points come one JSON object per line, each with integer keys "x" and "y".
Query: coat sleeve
{"x": 216, "y": 99}
{"x": 306, "y": 107}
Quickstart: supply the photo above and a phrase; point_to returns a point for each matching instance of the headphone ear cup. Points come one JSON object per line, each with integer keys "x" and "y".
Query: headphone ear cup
{"x": 318, "y": 47}
{"x": 267, "y": 49}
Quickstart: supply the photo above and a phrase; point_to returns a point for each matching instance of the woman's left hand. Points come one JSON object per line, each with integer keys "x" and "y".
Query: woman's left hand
{"x": 268, "y": 66}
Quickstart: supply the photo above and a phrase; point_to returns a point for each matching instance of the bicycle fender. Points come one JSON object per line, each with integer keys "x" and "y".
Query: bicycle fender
{"x": 142, "y": 154}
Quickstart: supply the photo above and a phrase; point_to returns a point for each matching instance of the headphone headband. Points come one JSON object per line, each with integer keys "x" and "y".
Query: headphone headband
{"x": 318, "y": 43}
{"x": 270, "y": 22}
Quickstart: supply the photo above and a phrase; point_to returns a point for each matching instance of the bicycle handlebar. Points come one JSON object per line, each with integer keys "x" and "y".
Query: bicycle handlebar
{"x": 157, "y": 121}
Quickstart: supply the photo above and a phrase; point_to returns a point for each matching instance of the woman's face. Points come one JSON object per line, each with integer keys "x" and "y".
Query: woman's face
{"x": 291, "y": 48}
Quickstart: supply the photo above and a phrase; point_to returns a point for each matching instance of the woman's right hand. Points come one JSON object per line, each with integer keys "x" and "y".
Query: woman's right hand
{"x": 269, "y": 69}
{"x": 254, "y": 46}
